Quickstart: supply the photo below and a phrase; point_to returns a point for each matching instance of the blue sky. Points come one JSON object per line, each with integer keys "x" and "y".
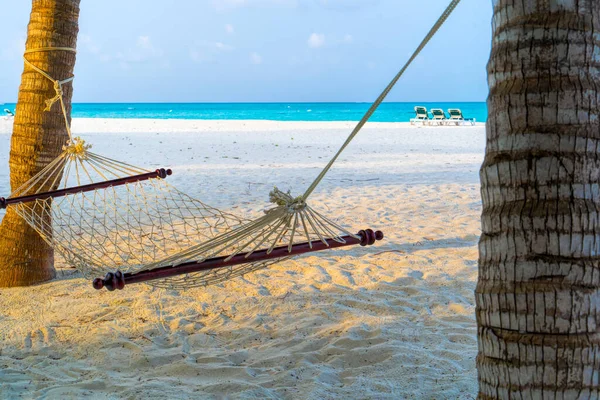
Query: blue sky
{"x": 264, "y": 50}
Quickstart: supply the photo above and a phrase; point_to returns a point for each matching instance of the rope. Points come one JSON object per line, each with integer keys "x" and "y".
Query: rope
{"x": 57, "y": 83}
{"x": 383, "y": 95}
{"x": 37, "y": 50}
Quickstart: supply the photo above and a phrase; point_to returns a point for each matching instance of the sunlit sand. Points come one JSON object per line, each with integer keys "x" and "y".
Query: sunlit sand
{"x": 395, "y": 320}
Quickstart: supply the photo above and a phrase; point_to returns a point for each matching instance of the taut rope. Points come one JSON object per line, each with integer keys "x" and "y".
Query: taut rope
{"x": 383, "y": 95}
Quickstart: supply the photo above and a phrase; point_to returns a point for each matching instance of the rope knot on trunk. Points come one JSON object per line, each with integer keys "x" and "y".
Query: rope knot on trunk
{"x": 57, "y": 96}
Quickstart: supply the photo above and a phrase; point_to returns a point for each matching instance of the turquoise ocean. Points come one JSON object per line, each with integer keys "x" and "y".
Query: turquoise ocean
{"x": 387, "y": 112}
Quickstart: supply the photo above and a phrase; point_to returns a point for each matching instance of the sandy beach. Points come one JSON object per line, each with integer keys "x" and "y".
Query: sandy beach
{"x": 395, "y": 320}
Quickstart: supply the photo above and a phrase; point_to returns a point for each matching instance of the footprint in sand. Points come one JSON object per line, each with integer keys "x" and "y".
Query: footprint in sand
{"x": 38, "y": 338}
{"x": 239, "y": 358}
{"x": 27, "y": 341}
{"x": 185, "y": 326}
{"x": 416, "y": 274}
{"x": 349, "y": 277}
{"x": 263, "y": 291}
{"x": 324, "y": 275}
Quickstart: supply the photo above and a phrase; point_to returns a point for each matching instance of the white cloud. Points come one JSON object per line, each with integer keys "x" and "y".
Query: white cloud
{"x": 224, "y": 5}
{"x": 222, "y": 46}
{"x": 347, "y": 5}
{"x": 144, "y": 42}
{"x": 229, "y": 29}
{"x": 147, "y": 48}
{"x": 255, "y": 58}
{"x": 140, "y": 51}
{"x": 316, "y": 40}
{"x": 87, "y": 43}
{"x": 144, "y": 51}
{"x": 208, "y": 51}
{"x": 348, "y": 38}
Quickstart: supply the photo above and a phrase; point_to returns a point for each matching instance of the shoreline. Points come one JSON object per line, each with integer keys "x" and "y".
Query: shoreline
{"x": 143, "y": 125}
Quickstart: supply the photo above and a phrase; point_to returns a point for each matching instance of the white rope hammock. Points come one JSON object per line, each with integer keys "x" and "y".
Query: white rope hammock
{"x": 101, "y": 214}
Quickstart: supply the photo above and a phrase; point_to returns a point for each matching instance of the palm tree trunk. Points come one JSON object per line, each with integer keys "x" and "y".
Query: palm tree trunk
{"x": 37, "y": 136}
{"x": 539, "y": 254}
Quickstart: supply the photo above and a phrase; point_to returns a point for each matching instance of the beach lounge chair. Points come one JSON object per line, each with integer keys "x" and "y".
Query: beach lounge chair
{"x": 421, "y": 115}
{"x": 439, "y": 116}
{"x": 457, "y": 116}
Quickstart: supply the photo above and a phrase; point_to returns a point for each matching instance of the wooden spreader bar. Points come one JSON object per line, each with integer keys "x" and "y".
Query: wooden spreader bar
{"x": 118, "y": 280}
{"x": 159, "y": 173}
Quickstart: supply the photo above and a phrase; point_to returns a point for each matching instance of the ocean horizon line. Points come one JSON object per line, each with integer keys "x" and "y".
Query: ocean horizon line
{"x": 266, "y": 102}
{"x": 270, "y": 111}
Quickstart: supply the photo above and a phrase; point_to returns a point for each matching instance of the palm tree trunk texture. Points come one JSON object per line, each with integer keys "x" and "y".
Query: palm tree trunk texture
{"x": 537, "y": 295}
{"x": 37, "y": 136}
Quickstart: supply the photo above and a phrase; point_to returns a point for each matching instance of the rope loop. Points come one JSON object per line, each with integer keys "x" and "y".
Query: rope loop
{"x": 57, "y": 84}
{"x": 57, "y": 97}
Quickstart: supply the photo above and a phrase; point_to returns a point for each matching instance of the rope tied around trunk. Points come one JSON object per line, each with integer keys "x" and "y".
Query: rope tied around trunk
{"x": 57, "y": 84}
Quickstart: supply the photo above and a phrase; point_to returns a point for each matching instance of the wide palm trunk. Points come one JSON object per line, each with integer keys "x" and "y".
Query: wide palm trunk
{"x": 539, "y": 254}
{"x": 37, "y": 136}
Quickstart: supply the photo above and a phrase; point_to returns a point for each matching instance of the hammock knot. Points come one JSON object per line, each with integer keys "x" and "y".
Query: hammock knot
{"x": 285, "y": 199}
{"x": 76, "y": 148}
{"x": 57, "y": 96}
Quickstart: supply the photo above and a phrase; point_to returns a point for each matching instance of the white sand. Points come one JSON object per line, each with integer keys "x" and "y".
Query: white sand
{"x": 394, "y": 320}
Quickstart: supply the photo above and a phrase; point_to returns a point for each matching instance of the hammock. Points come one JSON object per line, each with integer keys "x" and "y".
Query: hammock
{"x": 104, "y": 215}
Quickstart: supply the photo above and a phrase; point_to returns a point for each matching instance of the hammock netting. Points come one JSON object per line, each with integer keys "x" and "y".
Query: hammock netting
{"x": 104, "y": 215}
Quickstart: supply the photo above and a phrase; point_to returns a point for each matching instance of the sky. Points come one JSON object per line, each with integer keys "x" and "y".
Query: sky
{"x": 264, "y": 50}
